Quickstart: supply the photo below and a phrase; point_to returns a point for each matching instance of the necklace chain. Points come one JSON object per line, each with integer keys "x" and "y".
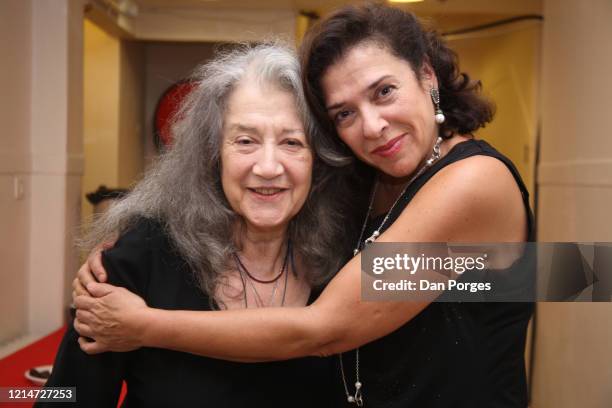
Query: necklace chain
{"x": 258, "y": 300}
{"x": 242, "y": 270}
{"x": 435, "y": 156}
{"x": 274, "y": 279}
{"x": 357, "y": 398}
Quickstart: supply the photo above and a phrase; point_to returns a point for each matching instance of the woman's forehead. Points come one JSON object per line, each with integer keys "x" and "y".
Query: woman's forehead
{"x": 254, "y": 96}
{"x": 251, "y": 106}
{"x": 360, "y": 69}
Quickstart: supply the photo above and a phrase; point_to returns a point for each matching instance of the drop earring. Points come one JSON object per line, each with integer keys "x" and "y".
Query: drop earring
{"x": 435, "y": 98}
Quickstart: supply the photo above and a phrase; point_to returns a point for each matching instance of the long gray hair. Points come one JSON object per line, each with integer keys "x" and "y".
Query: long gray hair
{"x": 182, "y": 189}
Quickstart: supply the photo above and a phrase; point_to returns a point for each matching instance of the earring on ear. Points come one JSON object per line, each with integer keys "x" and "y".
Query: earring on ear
{"x": 435, "y": 98}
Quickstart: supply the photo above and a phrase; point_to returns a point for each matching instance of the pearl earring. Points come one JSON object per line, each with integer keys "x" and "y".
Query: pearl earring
{"x": 435, "y": 98}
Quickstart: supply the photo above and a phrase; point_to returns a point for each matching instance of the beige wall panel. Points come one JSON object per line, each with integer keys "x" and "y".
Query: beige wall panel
{"x": 74, "y": 142}
{"x": 506, "y": 60}
{"x": 576, "y": 82}
{"x": 13, "y": 258}
{"x": 131, "y": 112}
{"x": 55, "y": 130}
{"x": 14, "y": 82}
{"x": 15, "y": 70}
{"x": 213, "y": 25}
{"x": 42, "y": 118}
{"x": 101, "y": 112}
{"x": 573, "y": 353}
{"x": 573, "y": 356}
{"x": 575, "y": 213}
{"x": 47, "y": 250}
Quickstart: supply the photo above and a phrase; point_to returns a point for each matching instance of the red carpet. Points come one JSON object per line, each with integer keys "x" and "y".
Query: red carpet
{"x": 41, "y": 352}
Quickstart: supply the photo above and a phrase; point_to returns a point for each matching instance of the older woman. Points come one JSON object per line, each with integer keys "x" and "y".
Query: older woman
{"x": 391, "y": 92}
{"x": 239, "y": 214}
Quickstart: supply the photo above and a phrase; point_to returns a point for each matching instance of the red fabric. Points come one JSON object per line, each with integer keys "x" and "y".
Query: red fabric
{"x": 41, "y": 352}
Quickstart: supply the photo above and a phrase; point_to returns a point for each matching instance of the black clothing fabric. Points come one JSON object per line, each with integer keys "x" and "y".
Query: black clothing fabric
{"x": 144, "y": 262}
{"x": 460, "y": 355}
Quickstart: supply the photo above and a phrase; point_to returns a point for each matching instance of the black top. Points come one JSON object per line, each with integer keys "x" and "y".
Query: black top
{"x": 144, "y": 262}
{"x": 451, "y": 354}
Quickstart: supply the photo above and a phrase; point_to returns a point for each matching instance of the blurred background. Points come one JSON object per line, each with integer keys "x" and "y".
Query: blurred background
{"x": 81, "y": 83}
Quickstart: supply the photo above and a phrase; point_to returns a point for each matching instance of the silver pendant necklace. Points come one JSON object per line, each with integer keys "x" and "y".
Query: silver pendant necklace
{"x": 357, "y": 397}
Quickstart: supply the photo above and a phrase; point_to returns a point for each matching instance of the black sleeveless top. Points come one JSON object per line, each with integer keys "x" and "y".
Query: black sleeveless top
{"x": 452, "y": 354}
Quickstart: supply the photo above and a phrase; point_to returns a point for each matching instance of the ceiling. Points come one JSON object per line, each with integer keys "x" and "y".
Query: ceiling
{"x": 445, "y": 15}
{"x": 505, "y": 7}
{"x": 181, "y": 20}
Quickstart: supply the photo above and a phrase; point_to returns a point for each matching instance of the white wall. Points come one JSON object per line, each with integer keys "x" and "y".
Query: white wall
{"x": 573, "y": 353}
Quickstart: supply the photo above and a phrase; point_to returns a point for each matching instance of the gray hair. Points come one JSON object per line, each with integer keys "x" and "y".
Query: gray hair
{"x": 182, "y": 189}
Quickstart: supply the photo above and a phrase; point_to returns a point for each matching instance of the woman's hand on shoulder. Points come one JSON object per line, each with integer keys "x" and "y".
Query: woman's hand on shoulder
{"x": 91, "y": 271}
{"x": 112, "y": 317}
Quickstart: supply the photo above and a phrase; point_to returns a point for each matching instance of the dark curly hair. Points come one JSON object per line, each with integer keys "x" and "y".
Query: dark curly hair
{"x": 402, "y": 34}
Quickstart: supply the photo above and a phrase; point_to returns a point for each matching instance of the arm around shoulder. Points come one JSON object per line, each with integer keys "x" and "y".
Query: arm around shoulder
{"x": 473, "y": 200}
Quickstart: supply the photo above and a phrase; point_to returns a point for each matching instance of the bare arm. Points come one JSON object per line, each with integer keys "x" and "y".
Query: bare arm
{"x": 336, "y": 322}
{"x": 459, "y": 204}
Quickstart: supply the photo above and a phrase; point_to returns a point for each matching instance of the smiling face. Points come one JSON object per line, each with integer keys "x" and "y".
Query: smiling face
{"x": 266, "y": 163}
{"x": 380, "y": 109}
